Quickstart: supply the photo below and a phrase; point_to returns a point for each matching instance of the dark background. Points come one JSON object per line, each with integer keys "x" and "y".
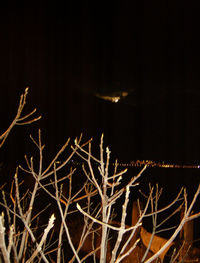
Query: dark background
{"x": 68, "y": 53}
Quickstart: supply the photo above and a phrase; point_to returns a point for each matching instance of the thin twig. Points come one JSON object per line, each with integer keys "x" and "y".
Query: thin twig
{"x": 43, "y": 239}
{"x": 18, "y": 120}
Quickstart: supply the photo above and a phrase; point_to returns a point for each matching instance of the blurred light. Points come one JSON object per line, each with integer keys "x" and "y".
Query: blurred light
{"x": 112, "y": 97}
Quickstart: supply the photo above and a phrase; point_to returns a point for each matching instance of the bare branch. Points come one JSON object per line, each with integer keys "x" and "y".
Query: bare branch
{"x": 5, "y": 253}
{"x": 18, "y": 120}
{"x": 43, "y": 239}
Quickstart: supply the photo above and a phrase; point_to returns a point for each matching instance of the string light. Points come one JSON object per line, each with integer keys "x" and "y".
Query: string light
{"x": 149, "y": 163}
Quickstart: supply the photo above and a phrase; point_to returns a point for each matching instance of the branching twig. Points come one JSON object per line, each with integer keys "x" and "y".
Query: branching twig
{"x": 43, "y": 239}
{"x": 18, "y": 120}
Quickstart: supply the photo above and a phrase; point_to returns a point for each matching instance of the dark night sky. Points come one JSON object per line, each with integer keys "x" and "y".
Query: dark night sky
{"x": 67, "y": 54}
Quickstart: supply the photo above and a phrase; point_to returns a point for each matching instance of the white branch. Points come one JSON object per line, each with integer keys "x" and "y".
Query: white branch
{"x": 3, "y": 248}
{"x": 43, "y": 239}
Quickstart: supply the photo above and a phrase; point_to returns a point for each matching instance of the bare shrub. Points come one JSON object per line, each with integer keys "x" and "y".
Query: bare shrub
{"x": 85, "y": 217}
